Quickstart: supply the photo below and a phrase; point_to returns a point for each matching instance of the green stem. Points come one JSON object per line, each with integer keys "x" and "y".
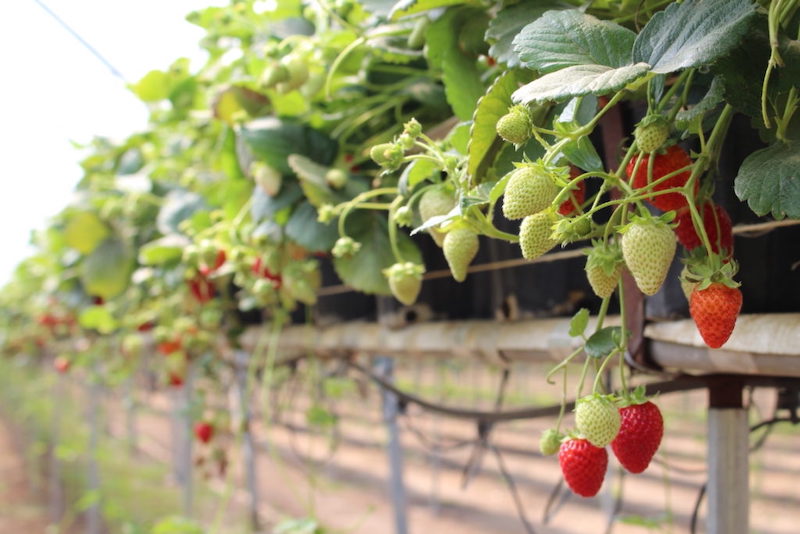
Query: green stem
{"x": 359, "y": 199}
{"x": 672, "y": 90}
{"x": 563, "y": 408}
{"x": 597, "y": 386}
{"x": 398, "y": 256}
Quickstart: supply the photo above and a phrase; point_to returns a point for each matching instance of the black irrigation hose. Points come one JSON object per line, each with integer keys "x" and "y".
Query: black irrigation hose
{"x": 683, "y": 383}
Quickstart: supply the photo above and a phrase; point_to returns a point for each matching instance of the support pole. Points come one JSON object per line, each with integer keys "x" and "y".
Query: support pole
{"x": 181, "y": 418}
{"x": 56, "y": 491}
{"x": 248, "y": 443}
{"x": 93, "y": 519}
{"x": 385, "y": 367}
{"x": 728, "y": 462}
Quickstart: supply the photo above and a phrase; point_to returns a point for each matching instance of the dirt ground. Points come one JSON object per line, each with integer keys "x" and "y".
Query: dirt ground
{"x": 21, "y": 509}
{"x": 346, "y": 487}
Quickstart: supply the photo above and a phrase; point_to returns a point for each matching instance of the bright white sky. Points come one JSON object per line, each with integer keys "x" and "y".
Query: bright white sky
{"x": 53, "y": 90}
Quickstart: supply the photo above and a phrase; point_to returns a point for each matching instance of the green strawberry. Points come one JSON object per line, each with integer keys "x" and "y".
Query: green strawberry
{"x": 648, "y": 246}
{"x": 460, "y": 248}
{"x": 597, "y": 419}
{"x": 405, "y": 281}
{"x": 530, "y": 190}
{"x": 435, "y": 202}
{"x": 550, "y": 442}
{"x": 534, "y": 235}
{"x": 651, "y": 133}
{"x": 515, "y": 126}
{"x": 603, "y": 267}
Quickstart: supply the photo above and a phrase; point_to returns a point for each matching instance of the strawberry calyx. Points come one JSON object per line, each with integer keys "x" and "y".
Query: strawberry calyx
{"x": 645, "y": 217}
{"x": 633, "y": 397}
{"x": 703, "y": 270}
{"x": 604, "y": 255}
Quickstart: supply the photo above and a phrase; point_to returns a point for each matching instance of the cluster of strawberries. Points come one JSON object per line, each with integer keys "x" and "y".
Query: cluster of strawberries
{"x": 633, "y": 426}
{"x": 714, "y": 298}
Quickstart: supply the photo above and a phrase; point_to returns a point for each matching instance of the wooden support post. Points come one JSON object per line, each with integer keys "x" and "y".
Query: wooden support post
{"x": 242, "y": 359}
{"x": 728, "y": 463}
{"x": 390, "y": 410}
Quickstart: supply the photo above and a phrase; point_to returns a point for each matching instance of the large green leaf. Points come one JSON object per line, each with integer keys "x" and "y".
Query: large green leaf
{"x": 85, "y": 231}
{"x": 178, "y": 205}
{"x": 462, "y": 81}
{"x": 304, "y": 229}
{"x": 568, "y": 38}
{"x": 364, "y": 270}
{"x": 484, "y": 143}
{"x": 404, "y": 8}
{"x": 106, "y": 272}
{"x": 580, "y": 80}
{"x": 692, "y": 33}
{"x": 312, "y": 179}
{"x": 272, "y": 140}
{"x": 265, "y": 206}
{"x": 163, "y": 250}
{"x": 769, "y": 180}
{"x": 507, "y": 24}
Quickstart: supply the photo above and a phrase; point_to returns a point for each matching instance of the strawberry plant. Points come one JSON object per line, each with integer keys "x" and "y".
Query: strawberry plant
{"x": 346, "y": 134}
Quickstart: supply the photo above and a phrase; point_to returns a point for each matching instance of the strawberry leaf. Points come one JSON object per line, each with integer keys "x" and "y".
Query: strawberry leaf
{"x": 580, "y": 80}
{"x": 579, "y": 322}
{"x": 560, "y": 39}
{"x": 769, "y": 180}
{"x": 692, "y": 33}
{"x": 484, "y": 143}
{"x": 603, "y": 342}
{"x": 508, "y": 23}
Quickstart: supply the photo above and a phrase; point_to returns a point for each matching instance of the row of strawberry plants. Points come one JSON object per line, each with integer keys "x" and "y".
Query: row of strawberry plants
{"x": 343, "y": 128}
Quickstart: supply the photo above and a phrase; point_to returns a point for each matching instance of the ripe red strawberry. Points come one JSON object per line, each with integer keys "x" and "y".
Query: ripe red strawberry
{"x": 219, "y": 261}
{"x": 204, "y": 431}
{"x": 201, "y": 288}
{"x": 583, "y": 466}
{"x": 717, "y": 224}
{"x": 639, "y": 436}
{"x": 648, "y": 246}
{"x": 168, "y": 347}
{"x": 62, "y": 364}
{"x": 175, "y": 380}
{"x": 568, "y": 207}
{"x": 263, "y": 271}
{"x": 715, "y": 310}
{"x": 673, "y": 159}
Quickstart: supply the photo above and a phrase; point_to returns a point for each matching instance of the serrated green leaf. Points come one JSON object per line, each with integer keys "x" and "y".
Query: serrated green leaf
{"x": 581, "y": 153}
{"x": 304, "y": 229}
{"x": 272, "y": 140}
{"x": 265, "y": 206}
{"x": 364, "y": 270}
{"x": 312, "y": 179}
{"x": 98, "y": 318}
{"x": 163, "y": 250}
{"x": 579, "y": 322}
{"x": 507, "y": 24}
{"x": 568, "y": 38}
{"x": 106, "y": 272}
{"x": 178, "y": 205}
{"x": 712, "y": 98}
{"x": 417, "y": 171}
{"x": 462, "y": 81}
{"x": 579, "y": 80}
{"x": 603, "y": 342}
{"x": 405, "y": 8}
{"x": 692, "y": 33}
{"x": 484, "y": 143}
{"x": 459, "y": 136}
{"x": 769, "y": 180}
{"x": 85, "y": 231}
